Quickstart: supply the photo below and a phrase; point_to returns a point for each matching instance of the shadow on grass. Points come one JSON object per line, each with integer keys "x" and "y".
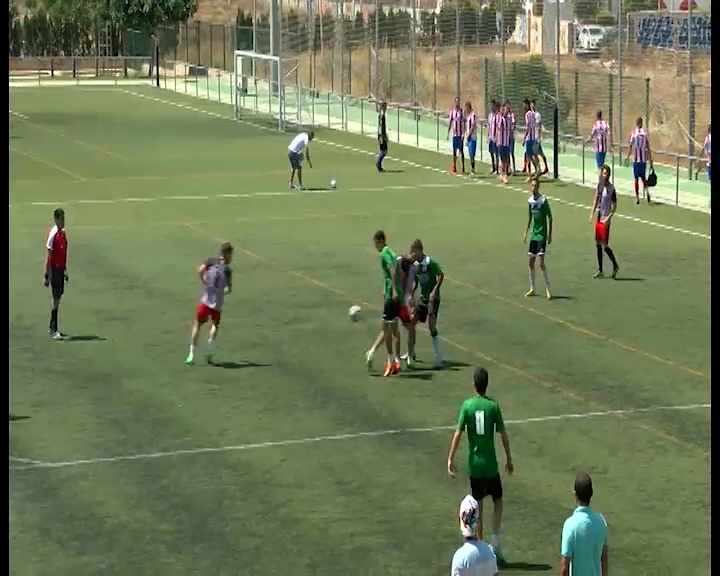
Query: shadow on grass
{"x": 524, "y": 567}
{"x": 449, "y": 365}
{"x": 629, "y": 279}
{"x": 562, "y": 297}
{"x": 237, "y": 365}
{"x": 17, "y": 418}
{"x": 315, "y": 189}
{"x": 393, "y": 171}
{"x": 408, "y": 375}
{"x": 85, "y": 338}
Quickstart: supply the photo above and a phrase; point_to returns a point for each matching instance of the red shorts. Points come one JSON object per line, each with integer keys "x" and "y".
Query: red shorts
{"x": 203, "y": 313}
{"x": 404, "y": 313}
{"x": 602, "y": 233}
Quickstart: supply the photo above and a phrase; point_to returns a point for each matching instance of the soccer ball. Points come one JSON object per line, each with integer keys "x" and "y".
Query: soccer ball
{"x": 333, "y": 183}
{"x": 354, "y": 313}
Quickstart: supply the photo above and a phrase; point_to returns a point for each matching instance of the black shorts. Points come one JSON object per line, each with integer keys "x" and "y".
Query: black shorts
{"x": 481, "y": 488}
{"x": 57, "y": 282}
{"x": 391, "y": 309}
{"x": 537, "y": 248}
{"x": 383, "y": 145}
{"x": 427, "y": 309}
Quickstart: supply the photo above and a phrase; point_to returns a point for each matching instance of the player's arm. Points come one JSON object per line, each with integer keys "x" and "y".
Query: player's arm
{"x": 604, "y": 563}
{"x": 455, "y": 442}
{"x": 596, "y": 200}
{"x": 201, "y": 271}
{"x": 228, "y": 280}
{"x": 307, "y": 156}
{"x": 527, "y": 226}
{"x": 505, "y": 440}
{"x": 48, "y": 254}
{"x": 439, "y": 278}
{"x": 566, "y": 549}
{"x": 548, "y": 214}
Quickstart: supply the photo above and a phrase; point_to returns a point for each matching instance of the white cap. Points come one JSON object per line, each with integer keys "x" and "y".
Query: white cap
{"x": 469, "y": 515}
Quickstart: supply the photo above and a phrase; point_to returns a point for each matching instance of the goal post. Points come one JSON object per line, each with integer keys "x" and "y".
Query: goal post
{"x": 267, "y": 87}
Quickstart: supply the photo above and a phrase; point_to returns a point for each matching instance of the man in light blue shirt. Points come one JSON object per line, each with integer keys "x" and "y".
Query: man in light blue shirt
{"x": 474, "y": 557}
{"x": 584, "y": 549}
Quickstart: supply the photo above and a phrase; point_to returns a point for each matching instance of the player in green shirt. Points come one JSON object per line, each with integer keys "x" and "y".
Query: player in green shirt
{"x": 429, "y": 277}
{"x": 482, "y": 418}
{"x": 540, "y": 216}
{"x": 392, "y": 297}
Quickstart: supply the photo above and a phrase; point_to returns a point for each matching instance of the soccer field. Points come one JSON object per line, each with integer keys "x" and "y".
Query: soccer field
{"x": 288, "y": 457}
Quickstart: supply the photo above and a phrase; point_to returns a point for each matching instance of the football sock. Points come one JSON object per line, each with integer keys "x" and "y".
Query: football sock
{"x": 611, "y": 255}
{"x": 210, "y": 347}
{"x": 192, "y": 349}
{"x": 546, "y": 279}
{"x": 53, "y": 320}
{"x": 472, "y": 164}
{"x": 599, "y": 252}
{"x": 435, "y": 346}
{"x": 532, "y": 277}
{"x": 636, "y": 188}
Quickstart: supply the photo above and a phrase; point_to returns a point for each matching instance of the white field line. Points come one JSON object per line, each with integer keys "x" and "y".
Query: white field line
{"x": 339, "y": 437}
{"x": 18, "y": 115}
{"x": 28, "y": 461}
{"x": 230, "y": 196}
{"x": 416, "y": 165}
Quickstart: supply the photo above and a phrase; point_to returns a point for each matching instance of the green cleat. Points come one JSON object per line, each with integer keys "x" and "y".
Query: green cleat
{"x": 190, "y": 360}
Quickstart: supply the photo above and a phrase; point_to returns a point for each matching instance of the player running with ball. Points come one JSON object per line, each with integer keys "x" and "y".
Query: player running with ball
{"x": 540, "y": 216}
{"x": 430, "y": 277}
{"x": 216, "y": 277}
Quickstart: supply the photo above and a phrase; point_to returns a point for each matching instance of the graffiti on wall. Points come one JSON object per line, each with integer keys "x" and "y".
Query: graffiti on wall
{"x": 671, "y": 30}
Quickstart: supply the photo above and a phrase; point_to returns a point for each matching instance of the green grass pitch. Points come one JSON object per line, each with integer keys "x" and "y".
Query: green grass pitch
{"x": 289, "y": 458}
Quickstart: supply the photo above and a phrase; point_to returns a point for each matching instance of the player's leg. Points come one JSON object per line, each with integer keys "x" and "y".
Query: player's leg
{"x": 493, "y": 159}
{"x": 293, "y": 168}
{"x": 382, "y": 152}
{"x": 543, "y": 269}
{"x": 370, "y": 354}
{"x": 512, "y": 155}
{"x": 541, "y": 153}
{"x": 212, "y": 335}
{"x": 432, "y": 317}
{"x": 298, "y": 170}
{"x": 202, "y": 313}
{"x": 532, "y": 255}
{"x": 391, "y": 335}
{"x": 599, "y": 249}
{"x": 478, "y": 490}
{"x": 412, "y": 336}
{"x": 472, "y": 148}
{"x": 636, "y": 180}
{"x": 57, "y": 288}
{"x": 608, "y": 250}
{"x": 495, "y": 491}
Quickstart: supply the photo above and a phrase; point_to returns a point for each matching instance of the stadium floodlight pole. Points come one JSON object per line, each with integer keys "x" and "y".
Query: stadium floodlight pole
{"x": 556, "y": 111}
{"x": 619, "y": 131}
{"x": 275, "y": 33}
{"x": 377, "y": 48}
{"x": 690, "y": 90}
{"x": 457, "y": 48}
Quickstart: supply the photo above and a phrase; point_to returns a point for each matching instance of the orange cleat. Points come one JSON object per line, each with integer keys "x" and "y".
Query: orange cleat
{"x": 396, "y": 367}
{"x": 389, "y": 368}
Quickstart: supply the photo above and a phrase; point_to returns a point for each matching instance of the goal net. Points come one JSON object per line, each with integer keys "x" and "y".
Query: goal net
{"x": 267, "y": 88}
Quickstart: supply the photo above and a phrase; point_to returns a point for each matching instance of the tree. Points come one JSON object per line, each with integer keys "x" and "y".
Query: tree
{"x": 586, "y": 10}
{"x": 604, "y": 18}
{"x": 428, "y": 27}
{"x": 148, "y": 15}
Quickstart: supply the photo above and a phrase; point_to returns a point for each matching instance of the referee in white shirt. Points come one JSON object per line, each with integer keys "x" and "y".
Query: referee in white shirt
{"x": 474, "y": 557}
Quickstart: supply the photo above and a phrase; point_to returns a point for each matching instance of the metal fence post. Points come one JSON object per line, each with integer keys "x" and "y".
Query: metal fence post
{"x": 486, "y": 90}
{"x": 610, "y": 102}
{"x": 577, "y": 100}
{"x": 691, "y": 127}
{"x": 647, "y": 103}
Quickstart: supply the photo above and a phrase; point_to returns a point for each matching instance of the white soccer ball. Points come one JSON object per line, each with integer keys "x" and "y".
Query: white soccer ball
{"x": 354, "y": 313}
{"x": 333, "y": 183}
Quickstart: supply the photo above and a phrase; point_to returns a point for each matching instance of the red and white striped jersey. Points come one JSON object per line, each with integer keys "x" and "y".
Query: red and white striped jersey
{"x": 706, "y": 148}
{"x": 471, "y": 125}
{"x": 456, "y": 122}
{"x": 531, "y": 131}
{"x": 492, "y": 126}
{"x": 503, "y": 132}
{"x": 601, "y": 134}
{"x": 638, "y": 145}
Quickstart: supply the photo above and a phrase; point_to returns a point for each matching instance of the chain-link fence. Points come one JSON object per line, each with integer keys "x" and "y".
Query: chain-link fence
{"x": 419, "y": 58}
